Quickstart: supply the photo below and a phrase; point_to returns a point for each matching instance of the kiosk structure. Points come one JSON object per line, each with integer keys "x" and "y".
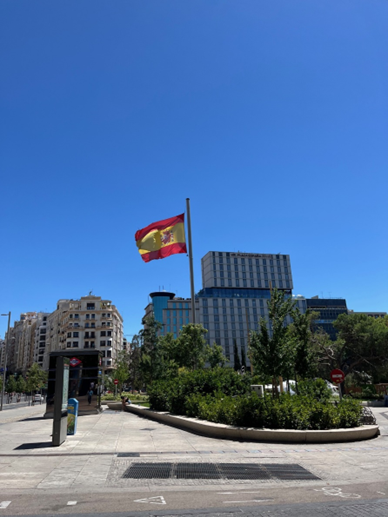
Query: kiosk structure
{"x": 84, "y": 380}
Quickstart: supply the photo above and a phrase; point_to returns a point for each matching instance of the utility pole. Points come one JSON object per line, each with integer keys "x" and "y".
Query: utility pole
{"x": 5, "y": 361}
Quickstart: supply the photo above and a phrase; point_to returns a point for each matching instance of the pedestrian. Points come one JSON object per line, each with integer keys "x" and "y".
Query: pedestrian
{"x": 90, "y": 394}
{"x": 125, "y": 401}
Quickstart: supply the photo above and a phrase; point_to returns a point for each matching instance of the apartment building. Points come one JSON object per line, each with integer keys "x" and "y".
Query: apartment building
{"x": 87, "y": 323}
{"x": 92, "y": 323}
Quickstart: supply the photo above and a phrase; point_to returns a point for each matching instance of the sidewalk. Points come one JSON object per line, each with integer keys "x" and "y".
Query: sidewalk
{"x": 106, "y": 444}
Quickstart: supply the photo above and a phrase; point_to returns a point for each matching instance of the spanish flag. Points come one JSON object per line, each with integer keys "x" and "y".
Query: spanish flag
{"x": 162, "y": 239}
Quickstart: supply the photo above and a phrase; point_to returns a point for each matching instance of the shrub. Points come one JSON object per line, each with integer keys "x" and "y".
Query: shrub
{"x": 316, "y": 389}
{"x": 171, "y": 395}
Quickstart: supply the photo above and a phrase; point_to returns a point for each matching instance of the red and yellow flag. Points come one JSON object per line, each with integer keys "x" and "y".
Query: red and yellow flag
{"x": 162, "y": 239}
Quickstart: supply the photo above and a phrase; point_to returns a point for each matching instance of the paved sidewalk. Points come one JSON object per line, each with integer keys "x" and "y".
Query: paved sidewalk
{"x": 90, "y": 458}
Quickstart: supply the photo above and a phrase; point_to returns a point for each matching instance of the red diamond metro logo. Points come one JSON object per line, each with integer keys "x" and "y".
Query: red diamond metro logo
{"x": 74, "y": 361}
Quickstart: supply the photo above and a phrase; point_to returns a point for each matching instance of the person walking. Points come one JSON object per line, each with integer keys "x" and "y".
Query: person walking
{"x": 90, "y": 394}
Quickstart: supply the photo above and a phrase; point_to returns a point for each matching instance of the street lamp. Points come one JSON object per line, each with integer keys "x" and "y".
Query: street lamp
{"x": 5, "y": 360}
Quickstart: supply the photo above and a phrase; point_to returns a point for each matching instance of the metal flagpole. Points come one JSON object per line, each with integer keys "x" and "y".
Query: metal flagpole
{"x": 191, "y": 261}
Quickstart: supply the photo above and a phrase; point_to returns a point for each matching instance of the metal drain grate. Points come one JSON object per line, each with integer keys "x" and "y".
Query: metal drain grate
{"x": 248, "y": 471}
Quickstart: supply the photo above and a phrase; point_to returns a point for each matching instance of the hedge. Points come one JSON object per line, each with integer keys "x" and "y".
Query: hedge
{"x": 225, "y": 397}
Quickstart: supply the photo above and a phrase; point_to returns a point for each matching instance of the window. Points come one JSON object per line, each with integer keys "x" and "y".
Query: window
{"x": 87, "y": 316}
{"x": 86, "y": 325}
{"x": 93, "y": 316}
{"x": 75, "y": 334}
{"x": 90, "y": 306}
{"x": 103, "y": 333}
{"x": 102, "y": 343}
{"x": 75, "y": 344}
{"x": 76, "y": 325}
{"x": 71, "y": 316}
{"x": 109, "y": 353}
{"x": 109, "y": 333}
{"x": 69, "y": 334}
{"x": 93, "y": 325}
{"x": 76, "y": 316}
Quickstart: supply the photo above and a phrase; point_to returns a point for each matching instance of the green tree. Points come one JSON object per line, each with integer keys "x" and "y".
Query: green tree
{"x": 191, "y": 346}
{"x": 243, "y": 358}
{"x": 150, "y": 356}
{"x": 215, "y": 356}
{"x": 271, "y": 349}
{"x": 121, "y": 369}
{"x": 36, "y": 378}
{"x": 236, "y": 357}
{"x": 135, "y": 373}
{"x": 362, "y": 345}
{"x": 21, "y": 385}
{"x": 11, "y": 384}
{"x": 302, "y": 355}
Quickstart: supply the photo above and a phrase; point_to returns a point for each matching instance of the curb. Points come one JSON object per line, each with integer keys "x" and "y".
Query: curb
{"x": 229, "y": 432}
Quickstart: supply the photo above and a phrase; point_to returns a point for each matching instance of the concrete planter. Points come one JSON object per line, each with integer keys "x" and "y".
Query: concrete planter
{"x": 116, "y": 406}
{"x": 256, "y": 435}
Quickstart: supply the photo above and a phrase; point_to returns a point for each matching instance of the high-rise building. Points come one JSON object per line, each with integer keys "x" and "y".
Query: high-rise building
{"x": 235, "y": 294}
{"x": 328, "y": 309}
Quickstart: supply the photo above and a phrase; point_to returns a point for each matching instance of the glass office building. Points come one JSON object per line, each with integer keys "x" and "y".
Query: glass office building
{"x": 236, "y": 288}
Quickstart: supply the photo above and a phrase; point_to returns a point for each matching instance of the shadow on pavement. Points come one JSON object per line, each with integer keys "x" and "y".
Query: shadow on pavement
{"x": 37, "y": 445}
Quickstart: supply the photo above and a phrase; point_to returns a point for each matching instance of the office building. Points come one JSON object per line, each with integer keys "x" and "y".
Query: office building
{"x": 235, "y": 294}
{"x": 328, "y": 310}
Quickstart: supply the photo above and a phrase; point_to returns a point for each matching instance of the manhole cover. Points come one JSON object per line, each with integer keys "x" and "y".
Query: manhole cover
{"x": 248, "y": 471}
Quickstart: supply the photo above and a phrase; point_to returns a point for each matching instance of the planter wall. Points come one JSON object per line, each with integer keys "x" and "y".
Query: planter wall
{"x": 256, "y": 435}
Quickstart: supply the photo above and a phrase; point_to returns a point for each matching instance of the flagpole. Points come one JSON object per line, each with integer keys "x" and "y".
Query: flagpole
{"x": 191, "y": 261}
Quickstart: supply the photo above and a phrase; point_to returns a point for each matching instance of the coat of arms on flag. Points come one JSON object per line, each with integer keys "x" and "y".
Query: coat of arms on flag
{"x": 162, "y": 239}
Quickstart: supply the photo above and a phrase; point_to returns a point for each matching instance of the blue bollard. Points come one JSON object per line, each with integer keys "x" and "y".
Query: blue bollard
{"x": 72, "y": 416}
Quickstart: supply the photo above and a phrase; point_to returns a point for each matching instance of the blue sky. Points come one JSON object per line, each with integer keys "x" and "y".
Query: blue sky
{"x": 271, "y": 116}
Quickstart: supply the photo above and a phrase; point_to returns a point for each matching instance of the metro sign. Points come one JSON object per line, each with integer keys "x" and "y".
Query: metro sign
{"x": 75, "y": 362}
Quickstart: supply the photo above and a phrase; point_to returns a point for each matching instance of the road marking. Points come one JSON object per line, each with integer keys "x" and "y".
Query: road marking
{"x": 382, "y": 493}
{"x": 152, "y": 500}
{"x": 230, "y": 493}
{"x": 4, "y": 504}
{"x": 249, "y": 501}
{"x": 337, "y": 491}
{"x": 71, "y": 503}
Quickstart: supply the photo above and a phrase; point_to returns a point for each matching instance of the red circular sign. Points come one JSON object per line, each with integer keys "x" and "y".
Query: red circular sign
{"x": 337, "y": 376}
{"x": 116, "y": 381}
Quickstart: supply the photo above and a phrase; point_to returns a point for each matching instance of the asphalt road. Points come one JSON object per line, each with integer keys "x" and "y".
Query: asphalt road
{"x": 177, "y": 500}
{"x": 366, "y": 508}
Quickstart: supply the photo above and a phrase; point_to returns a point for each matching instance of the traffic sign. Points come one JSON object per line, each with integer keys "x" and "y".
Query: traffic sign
{"x": 74, "y": 361}
{"x": 337, "y": 376}
{"x": 116, "y": 381}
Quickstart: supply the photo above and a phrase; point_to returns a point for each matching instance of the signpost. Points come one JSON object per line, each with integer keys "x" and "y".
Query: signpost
{"x": 337, "y": 376}
{"x": 60, "y": 401}
{"x": 116, "y": 383}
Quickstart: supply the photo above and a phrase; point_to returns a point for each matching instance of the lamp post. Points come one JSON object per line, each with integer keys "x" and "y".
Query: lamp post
{"x": 5, "y": 361}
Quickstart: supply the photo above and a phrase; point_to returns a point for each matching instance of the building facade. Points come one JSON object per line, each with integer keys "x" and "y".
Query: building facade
{"x": 235, "y": 294}
{"x": 328, "y": 309}
{"x": 88, "y": 323}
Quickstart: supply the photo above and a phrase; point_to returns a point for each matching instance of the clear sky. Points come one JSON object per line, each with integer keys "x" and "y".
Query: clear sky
{"x": 272, "y": 116}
